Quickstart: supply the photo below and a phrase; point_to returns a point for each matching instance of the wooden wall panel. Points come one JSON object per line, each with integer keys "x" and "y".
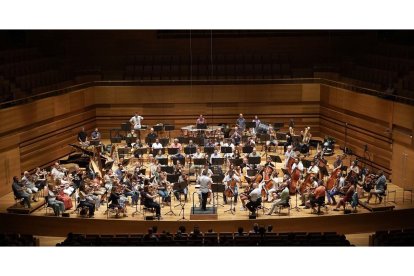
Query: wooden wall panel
{"x": 9, "y": 167}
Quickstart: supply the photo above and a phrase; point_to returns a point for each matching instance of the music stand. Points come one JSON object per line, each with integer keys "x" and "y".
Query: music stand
{"x": 115, "y": 140}
{"x": 149, "y": 141}
{"x": 158, "y": 128}
{"x": 217, "y": 161}
{"x": 183, "y": 140}
{"x": 306, "y": 163}
{"x": 175, "y": 159}
{"x": 247, "y": 149}
{"x": 140, "y": 151}
{"x": 169, "y": 128}
{"x": 199, "y": 162}
{"x": 217, "y": 188}
{"x": 130, "y": 140}
{"x": 236, "y": 162}
{"x": 226, "y": 150}
{"x": 155, "y": 151}
{"x": 190, "y": 150}
{"x": 126, "y": 126}
{"x": 94, "y": 142}
{"x": 250, "y": 124}
{"x": 281, "y": 136}
{"x": 217, "y": 178}
{"x": 201, "y": 126}
{"x": 209, "y": 150}
{"x": 172, "y": 151}
{"x": 254, "y": 160}
{"x": 180, "y": 186}
{"x": 164, "y": 142}
{"x": 277, "y": 126}
{"x": 163, "y": 161}
{"x": 276, "y": 158}
{"x": 167, "y": 169}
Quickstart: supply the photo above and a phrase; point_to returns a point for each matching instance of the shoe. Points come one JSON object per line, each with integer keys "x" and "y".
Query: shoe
{"x": 125, "y": 215}
{"x": 380, "y": 200}
{"x": 91, "y": 216}
{"x": 303, "y": 204}
{"x": 306, "y": 207}
{"x": 335, "y": 209}
{"x": 268, "y": 214}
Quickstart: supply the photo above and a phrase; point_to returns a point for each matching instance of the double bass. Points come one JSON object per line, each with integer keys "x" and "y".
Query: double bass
{"x": 332, "y": 178}
{"x": 229, "y": 192}
{"x": 295, "y": 176}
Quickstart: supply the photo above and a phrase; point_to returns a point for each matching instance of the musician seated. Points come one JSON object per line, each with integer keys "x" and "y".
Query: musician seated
{"x": 157, "y": 144}
{"x": 317, "y": 197}
{"x": 380, "y": 187}
{"x": 120, "y": 172}
{"x": 197, "y": 168}
{"x": 57, "y": 171}
{"x": 52, "y": 200}
{"x": 160, "y": 155}
{"x": 336, "y": 190}
{"x": 183, "y": 178}
{"x": 215, "y": 154}
{"x": 228, "y": 178}
{"x": 201, "y": 120}
{"x": 83, "y": 138}
{"x": 347, "y": 198}
{"x": 163, "y": 189}
{"x": 85, "y": 201}
{"x": 29, "y": 185}
{"x": 130, "y": 190}
{"x": 305, "y": 196}
{"x": 115, "y": 203}
{"x": 176, "y": 145}
{"x": 20, "y": 193}
{"x": 62, "y": 194}
{"x": 276, "y": 184}
{"x": 96, "y": 135}
{"x": 281, "y": 199}
{"x": 147, "y": 198}
{"x": 236, "y": 137}
{"x": 255, "y": 198}
{"x": 40, "y": 178}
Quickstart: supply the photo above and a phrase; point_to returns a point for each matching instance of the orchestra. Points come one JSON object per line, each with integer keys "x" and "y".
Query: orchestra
{"x": 146, "y": 175}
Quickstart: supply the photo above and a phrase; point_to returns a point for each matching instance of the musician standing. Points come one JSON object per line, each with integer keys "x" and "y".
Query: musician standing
{"x": 136, "y": 121}
{"x": 83, "y": 137}
{"x": 205, "y": 184}
{"x": 255, "y": 197}
{"x": 201, "y": 120}
{"x": 241, "y": 122}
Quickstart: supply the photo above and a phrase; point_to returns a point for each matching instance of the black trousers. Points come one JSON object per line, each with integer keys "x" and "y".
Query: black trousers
{"x": 90, "y": 206}
{"x": 154, "y": 205}
{"x": 252, "y": 205}
{"x": 204, "y": 201}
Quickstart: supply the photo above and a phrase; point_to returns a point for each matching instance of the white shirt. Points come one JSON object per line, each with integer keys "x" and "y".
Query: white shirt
{"x": 156, "y": 146}
{"x": 228, "y": 178}
{"x": 136, "y": 121}
{"x": 313, "y": 169}
{"x": 255, "y": 194}
{"x": 300, "y": 166}
{"x": 57, "y": 174}
{"x": 204, "y": 181}
{"x": 214, "y": 155}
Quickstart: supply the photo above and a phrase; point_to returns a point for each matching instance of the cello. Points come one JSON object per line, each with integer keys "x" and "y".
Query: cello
{"x": 229, "y": 192}
{"x": 267, "y": 179}
{"x": 294, "y": 181}
{"x": 332, "y": 178}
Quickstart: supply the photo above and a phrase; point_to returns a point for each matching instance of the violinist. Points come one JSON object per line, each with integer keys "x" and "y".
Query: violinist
{"x": 115, "y": 203}
{"x": 40, "y": 178}
{"x": 164, "y": 188}
{"x": 28, "y": 182}
{"x": 273, "y": 139}
{"x": 178, "y": 168}
{"x": 281, "y": 199}
{"x": 231, "y": 181}
{"x": 57, "y": 171}
{"x": 160, "y": 155}
{"x": 130, "y": 190}
{"x": 250, "y": 142}
{"x": 120, "y": 172}
{"x": 61, "y": 196}
{"x": 20, "y": 192}
{"x": 308, "y": 191}
{"x": 183, "y": 178}
{"x": 57, "y": 205}
{"x": 148, "y": 199}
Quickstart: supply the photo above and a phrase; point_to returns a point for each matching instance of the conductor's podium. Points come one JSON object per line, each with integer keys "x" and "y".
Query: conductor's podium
{"x": 198, "y": 214}
{"x": 17, "y": 208}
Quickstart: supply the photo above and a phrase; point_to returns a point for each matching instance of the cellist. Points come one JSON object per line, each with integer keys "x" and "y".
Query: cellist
{"x": 289, "y": 155}
{"x": 231, "y": 181}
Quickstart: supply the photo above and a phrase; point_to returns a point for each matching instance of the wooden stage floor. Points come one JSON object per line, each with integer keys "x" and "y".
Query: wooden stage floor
{"x": 298, "y": 220}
